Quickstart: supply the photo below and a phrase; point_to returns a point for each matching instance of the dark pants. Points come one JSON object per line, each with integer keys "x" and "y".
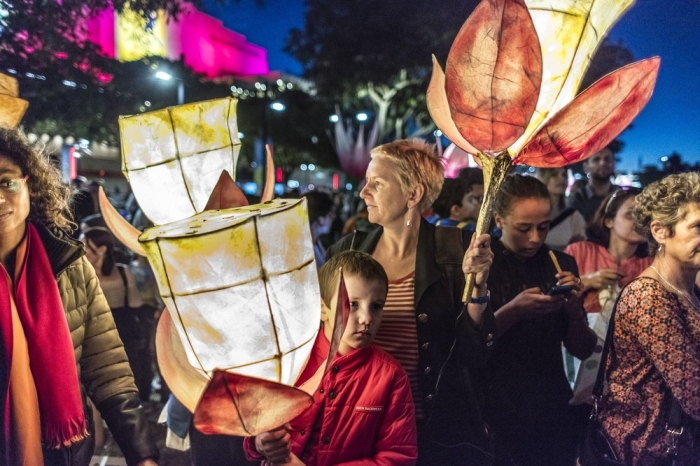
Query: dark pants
{"x": 217, "y": 450}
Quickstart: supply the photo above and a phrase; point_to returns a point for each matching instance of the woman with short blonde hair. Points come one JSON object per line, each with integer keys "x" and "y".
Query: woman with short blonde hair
{"x": 426, "y": 327}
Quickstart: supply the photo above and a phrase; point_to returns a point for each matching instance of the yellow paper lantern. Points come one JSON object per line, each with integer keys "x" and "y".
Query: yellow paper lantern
{"x": 174, "y": 157}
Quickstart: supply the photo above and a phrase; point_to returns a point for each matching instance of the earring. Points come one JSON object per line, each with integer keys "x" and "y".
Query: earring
{"x": 409, "y": 222}
{"x": 661, "y": 248}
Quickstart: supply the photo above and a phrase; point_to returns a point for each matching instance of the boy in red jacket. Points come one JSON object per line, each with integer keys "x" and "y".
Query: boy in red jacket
{"x": 363, "y": 410}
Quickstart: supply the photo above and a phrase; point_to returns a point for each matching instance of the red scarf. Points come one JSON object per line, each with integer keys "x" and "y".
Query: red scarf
{"x": 52, "y": 360}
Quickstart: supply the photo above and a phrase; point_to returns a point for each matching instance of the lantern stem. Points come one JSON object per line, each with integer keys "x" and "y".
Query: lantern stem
{"x": 495, "y": 171}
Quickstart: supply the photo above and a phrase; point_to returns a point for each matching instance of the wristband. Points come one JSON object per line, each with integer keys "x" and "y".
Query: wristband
{"x": 482, "y": 300}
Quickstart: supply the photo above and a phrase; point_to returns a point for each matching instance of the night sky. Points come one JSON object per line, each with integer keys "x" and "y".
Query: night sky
{"x": 668, "y": 28}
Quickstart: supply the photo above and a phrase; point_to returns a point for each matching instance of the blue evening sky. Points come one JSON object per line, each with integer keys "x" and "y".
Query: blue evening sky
{"x": 668, "y": 28}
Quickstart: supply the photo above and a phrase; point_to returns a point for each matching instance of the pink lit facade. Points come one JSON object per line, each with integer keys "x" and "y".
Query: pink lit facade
{"x": 206, "y": 45}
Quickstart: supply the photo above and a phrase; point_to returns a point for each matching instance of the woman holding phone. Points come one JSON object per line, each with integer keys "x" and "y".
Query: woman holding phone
{"x": 526, "y": 390}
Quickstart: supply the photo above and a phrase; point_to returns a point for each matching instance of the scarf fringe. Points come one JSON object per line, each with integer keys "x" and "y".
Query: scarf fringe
{"x": 65, "y": 435}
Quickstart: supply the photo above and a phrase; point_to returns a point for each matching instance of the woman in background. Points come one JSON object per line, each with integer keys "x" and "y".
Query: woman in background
{"x": 655, "y": 352}
{"x": 568, "y": 225}
{"x": 614, "y": 254}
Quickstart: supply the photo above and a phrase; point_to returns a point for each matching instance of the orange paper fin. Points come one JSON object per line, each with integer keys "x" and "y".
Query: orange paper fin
{"x": 269, "y": 191}
{"x": 123, "y": 230}
{"x": 594, "y": 118}
{"x": 493, "y": 74}
{"x": 235, "y": 404}
{"x": 226, "y": 194}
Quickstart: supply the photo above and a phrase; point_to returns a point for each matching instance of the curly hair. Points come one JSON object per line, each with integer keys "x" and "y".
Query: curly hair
{"x": 665, "y": 201}
{"x": 416, "y": 162}
{"x": 49, "y": 197}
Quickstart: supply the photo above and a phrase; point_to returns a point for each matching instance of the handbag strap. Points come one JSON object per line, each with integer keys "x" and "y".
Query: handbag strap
{"x": 675, "y": 414}
{"x": 121, "y": 268}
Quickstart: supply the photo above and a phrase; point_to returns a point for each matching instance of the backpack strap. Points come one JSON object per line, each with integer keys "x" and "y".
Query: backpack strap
{"x": 563, "y": 215}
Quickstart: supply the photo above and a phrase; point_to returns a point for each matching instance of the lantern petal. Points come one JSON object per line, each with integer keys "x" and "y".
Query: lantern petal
{"x": 234, "y": 404}
{"x": 440, "y": 110}
{"x": 121, "y": 229}
{"x": 594, "y": 118}
{"x": 185, "y": 380}
{"x": 12, "y": 108}
{"x": 226, "y": 194}
{"x": 569, "y": 33}
{"x": 269, "y": 191}
{"x": 493, "y": 74}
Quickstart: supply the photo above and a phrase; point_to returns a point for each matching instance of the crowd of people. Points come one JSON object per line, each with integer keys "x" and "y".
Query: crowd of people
{"x": 420, "y": 377}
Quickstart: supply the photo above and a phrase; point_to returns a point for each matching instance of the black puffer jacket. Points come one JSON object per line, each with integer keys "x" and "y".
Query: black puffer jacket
{"x": 103, "y": 368}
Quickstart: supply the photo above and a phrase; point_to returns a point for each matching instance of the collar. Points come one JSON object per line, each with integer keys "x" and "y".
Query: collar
{"x": 61, "y": 249}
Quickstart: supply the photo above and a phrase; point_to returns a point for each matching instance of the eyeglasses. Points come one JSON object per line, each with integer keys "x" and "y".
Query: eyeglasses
{"x": 619, "y": 192}
{"x": 12, "y": 186}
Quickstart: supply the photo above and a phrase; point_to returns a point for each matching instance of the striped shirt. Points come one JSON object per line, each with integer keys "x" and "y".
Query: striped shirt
{"x": 398, "y": 335}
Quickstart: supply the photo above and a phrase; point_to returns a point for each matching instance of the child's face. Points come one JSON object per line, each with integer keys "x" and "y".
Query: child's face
{"x": 367, "y": 299}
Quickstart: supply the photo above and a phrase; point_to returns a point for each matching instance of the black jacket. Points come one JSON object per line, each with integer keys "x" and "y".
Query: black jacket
{"x": 103, "y": 367}
{"x": 450, "y": 348}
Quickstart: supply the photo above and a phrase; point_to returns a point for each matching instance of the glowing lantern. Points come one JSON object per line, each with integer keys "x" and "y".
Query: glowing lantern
{"x": 507, "y": 95}
{"x": 239, "y": 281}
{"x": 174, "y": 157}
{"x": 12, "y": 108}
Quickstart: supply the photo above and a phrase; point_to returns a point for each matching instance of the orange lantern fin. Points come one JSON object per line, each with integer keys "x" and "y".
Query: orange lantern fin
{"x": 493, "y": 74}
{"x": 123, "y": 230}
{"x": 269, "y": 191}
{"x": 440, "y": 110}
{"x": 594, "y": 118}
{"x": 226, "y": 194}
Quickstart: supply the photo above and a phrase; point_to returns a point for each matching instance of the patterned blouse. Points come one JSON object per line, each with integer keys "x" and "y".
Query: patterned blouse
{"x": 655, "y": 356}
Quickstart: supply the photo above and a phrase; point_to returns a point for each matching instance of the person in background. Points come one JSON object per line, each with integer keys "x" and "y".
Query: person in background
{"x": 655, "y": 352}
{"x": 321, "y": 216}
{"x": 526, "y": 389}
{"x": 59, "y": 342}
{"x": 614, "y": 254}
{"x": 437, "y": 339}
{"x": 119, "y": 287}
{"x": 364, "y": 380}
{"x": 456, "y": 205}
{"x": 475, "y": 180}
{"x": 568, "y": 225}
{"x": 599, "y": 168}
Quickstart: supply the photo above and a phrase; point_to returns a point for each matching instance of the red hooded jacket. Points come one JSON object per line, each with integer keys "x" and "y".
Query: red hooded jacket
{"x": 363, "y": 413}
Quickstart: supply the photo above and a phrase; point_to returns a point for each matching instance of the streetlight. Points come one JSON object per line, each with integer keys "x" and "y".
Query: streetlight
{"x": 277, "y": 106}
{"x": 165, "y": 76}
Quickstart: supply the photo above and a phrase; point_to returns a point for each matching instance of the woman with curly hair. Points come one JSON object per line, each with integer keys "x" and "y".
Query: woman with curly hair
{"x": 655, "y": 352}
{"x": 59, "y": 343}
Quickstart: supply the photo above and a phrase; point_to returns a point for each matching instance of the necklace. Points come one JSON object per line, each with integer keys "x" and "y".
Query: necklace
{"x": 695, "y": 304}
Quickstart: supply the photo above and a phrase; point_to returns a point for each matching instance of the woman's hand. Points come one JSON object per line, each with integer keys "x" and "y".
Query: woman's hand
{"x": 478, "y": 259}
{"x": 603, "y": 278}
{"x": 274, "y": 445}
{"x": 533, "y": 303}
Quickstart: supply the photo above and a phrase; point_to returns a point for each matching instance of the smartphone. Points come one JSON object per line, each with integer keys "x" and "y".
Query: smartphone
{"x": 557, "y": 290}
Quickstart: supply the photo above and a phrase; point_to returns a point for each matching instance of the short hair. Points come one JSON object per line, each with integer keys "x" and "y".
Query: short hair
{"x": 353, "y": 263}
{"x": 49, "y": 198}
{"x": 453, "y": 192}
{"x": 665, "y": 201}
{"x": 472, "y": 175}
{"x": 318, "y": 203}
{"x": 416, "y": 162}
{"x": 518, "y": 187}
{"x": 597, "y": 232}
